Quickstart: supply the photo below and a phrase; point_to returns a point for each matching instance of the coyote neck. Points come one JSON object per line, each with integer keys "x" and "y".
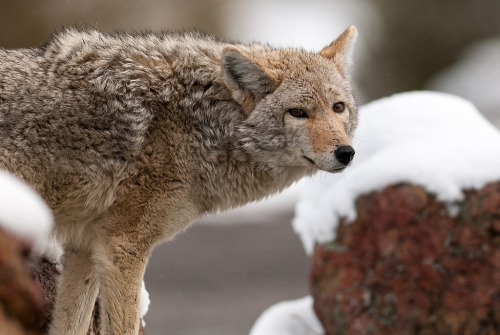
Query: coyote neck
{"x": 237, "y": 183}
{"x": 237, "y": 178}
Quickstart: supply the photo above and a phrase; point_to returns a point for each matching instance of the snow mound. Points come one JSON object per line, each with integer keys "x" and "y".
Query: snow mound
{"x": 435, "y": 140}
{"x": 294, "y": 317}
{"x": 23, "y": 212}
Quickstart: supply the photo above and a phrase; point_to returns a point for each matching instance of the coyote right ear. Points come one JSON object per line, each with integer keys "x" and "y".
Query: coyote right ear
{"x": 340, "y": 50}
{"x": 247, "y": 80}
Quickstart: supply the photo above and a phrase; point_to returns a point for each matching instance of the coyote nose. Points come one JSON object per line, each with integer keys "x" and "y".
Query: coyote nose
{"x": 344, "y": 154}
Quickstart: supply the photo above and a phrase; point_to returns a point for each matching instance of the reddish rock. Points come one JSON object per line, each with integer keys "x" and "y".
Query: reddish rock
{"x": 406, "y": 266}
{"x": 21, "y": 305}
{"x": 45, "y": 274}
{"x": 28, "y": 289}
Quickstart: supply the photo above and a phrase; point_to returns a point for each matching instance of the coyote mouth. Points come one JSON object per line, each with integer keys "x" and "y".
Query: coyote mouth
{"x": 309, "y": 160}
{"x": 313, "y": 163}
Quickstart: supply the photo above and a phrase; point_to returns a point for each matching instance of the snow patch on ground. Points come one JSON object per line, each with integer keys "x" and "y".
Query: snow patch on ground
{"x": 23, "y": 212}
{"x": 435, "y": 140}
{"x": 295, "y": 317}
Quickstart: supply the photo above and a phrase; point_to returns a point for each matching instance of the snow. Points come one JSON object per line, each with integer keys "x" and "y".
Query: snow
{"x": 23, "y": 212}
{"x": 144, "y": 303}
{"x": 476, "y": 77}
{"x": 294, "y": 317}
{"x": 435, "y": 140}
{"x": 52, "y": 250}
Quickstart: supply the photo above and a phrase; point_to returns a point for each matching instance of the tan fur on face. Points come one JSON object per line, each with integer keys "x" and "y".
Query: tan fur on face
{"x": 325, "y": 137}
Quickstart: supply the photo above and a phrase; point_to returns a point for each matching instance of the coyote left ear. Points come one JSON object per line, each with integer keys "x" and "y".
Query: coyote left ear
{"x": 246, "y": 79}
{"x": 340, "y": 50}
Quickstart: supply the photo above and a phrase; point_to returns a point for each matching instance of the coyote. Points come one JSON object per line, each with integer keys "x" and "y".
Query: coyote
{"x": 129, "y": 138}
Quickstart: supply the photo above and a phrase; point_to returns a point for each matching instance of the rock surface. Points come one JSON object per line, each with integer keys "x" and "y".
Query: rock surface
{"x": 21, "y": 304}
{"x": 406, "y": 265}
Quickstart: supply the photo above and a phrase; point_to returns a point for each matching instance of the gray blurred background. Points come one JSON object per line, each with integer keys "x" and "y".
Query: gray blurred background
{"x": 217, "y": 277}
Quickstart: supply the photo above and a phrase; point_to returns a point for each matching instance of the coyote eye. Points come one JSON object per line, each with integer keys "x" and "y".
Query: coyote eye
{"x": 298, "y": 113}
{"x": 338, "y": 107}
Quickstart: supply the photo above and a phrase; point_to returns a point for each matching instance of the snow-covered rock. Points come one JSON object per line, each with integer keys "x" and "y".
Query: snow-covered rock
{"x": 23, "y": 212}
{"x": 435, "y": 140}
{"x": 295, "y": 317}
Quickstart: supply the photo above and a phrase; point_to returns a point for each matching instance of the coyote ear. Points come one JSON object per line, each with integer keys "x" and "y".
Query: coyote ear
{"x": 340, "y": 50}
{"x": 248, "y": 81}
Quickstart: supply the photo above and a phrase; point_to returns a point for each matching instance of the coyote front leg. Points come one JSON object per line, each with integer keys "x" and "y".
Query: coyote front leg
{"x": 76, "y": 293}
{"x": 121, "y": 263}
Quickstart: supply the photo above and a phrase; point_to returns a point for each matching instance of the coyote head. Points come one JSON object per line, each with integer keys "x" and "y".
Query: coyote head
{"x": 300, "y": 110}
